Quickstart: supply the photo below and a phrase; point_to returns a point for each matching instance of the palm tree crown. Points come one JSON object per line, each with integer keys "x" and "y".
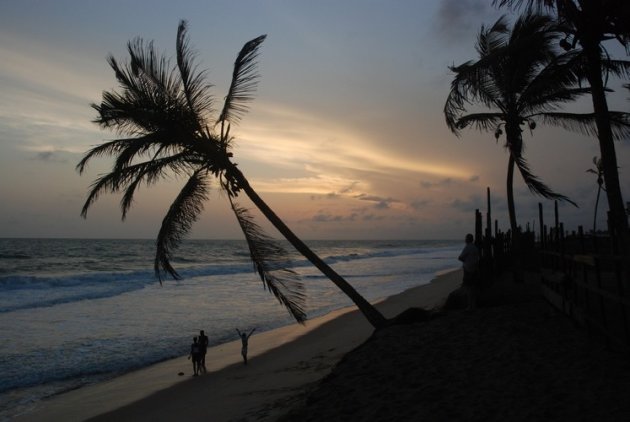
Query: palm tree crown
{"x": 520, "y": 79}
{"x": 588, "y": 23}
{"x": 166, "y": 118}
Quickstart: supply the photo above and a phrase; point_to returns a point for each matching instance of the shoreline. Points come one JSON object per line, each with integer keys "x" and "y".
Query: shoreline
{"x": 293, "y": 356}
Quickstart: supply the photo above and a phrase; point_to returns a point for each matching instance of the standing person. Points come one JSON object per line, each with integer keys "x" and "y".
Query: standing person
{"x": 195, "y": 354}
{"x": 245, "y": 341}
{"x": 203, "y": 342}
{"x": 470, "y": 259}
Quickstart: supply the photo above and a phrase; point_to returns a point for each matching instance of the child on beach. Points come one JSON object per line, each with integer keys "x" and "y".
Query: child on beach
{"x": 245, "y": 341}
{"x": 470, "y": 259}
{"x": 195, "y": 354}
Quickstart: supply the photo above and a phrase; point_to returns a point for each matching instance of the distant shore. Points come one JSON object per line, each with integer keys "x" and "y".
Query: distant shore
{"x": 284, "y": 363}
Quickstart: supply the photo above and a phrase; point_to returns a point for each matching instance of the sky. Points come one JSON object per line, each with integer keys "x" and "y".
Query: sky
{"x": 346, "y": 138}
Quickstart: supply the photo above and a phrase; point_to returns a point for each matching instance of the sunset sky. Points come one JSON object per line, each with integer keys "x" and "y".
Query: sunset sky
{"x": 346, "y": 138}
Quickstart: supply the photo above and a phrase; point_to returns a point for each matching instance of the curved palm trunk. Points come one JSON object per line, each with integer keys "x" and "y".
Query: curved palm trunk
{"x": 607, "y": 148}
{"x": 369, "y": 311}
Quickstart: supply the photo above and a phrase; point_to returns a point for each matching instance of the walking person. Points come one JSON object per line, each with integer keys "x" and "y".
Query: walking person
{"x": 245, "y": 342}
{"x": 203, "y": 343}
{"x": 470, "y": 260}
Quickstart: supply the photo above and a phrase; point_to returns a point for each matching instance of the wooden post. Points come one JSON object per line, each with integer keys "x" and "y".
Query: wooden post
{"x": 541, "y": 224}
{"x": 488, "y": 217}
{"x": 478, "y": 228}
{"x": 557, "y": 225}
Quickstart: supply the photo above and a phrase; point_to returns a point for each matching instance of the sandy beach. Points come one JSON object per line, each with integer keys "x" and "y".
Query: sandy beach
{"x": 513, "y": 358}
{"x": 284, "y": 364}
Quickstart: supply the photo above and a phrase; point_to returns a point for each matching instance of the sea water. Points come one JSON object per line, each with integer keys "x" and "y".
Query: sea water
{"x": 75, "y": 311}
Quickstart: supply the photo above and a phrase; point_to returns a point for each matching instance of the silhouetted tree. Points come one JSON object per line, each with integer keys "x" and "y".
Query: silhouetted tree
{"x": 164, "y": 113}
{"x": 588, "y": 23}
{"x": 520, "y": 78}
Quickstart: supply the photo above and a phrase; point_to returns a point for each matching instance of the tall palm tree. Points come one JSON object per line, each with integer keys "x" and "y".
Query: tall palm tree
{"x": 165, "y": 116}
{"x": 597, "y": 170}
{"x": 589, "y": 23}
{"x": 520, "y": 79}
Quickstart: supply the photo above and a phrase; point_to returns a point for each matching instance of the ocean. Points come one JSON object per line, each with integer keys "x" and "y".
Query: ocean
{"x": 78, "y": 311}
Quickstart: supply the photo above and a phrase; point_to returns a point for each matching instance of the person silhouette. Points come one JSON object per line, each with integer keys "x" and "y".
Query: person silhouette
{"x": 245, "y": 342}
{"x": 470, "y": 259}
{"x": 203, "y": 343}
{"x": 195, "y": 355}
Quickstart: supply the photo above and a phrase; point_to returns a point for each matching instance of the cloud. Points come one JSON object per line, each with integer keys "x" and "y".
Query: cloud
{"x": 306, "y": 139}
{"x": 439, "y": 184}
{"x": 50, "y": 156}
{"x": 380, "y": 202}
{"x": 467, "y": 205}
{"x": 420, "y": 204}
{"x": 325, "y": 217}
{"x": 457, "y": 19}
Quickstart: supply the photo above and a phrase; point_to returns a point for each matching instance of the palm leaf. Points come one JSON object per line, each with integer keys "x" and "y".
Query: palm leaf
{"x": 123, "y": 178}
{"x": 586, "y": 124}
{"x": 270, "y": 261}
{"x": 244, "y": 82}
{"x": 182, "y": 213}
{"x": 481, "y": 121}
{"x": 195, "y": 89}
{"x": 619, "y": 68}
{"x": 534, "y": 183}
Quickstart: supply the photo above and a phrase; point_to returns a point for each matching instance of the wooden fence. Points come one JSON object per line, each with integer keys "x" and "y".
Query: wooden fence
{"x": 582, "y": 275}
{"x": 586, "y": 278}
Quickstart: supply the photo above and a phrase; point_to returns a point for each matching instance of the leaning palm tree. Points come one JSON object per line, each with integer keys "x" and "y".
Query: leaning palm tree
{"x": 165, "y": 116}
{"x": 589, "y": 23}
{"x": 597, "y": 170}
{"x": 520, "y": 79}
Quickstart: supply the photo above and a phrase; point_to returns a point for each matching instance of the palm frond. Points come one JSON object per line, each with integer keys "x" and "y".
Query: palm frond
{"x": 195, "y": 89}
{"x": 472, "y": 83}
{"x": 107, "y": 148}
{"x": 493, "y": 38}
{"x": 586, "y": 123}
{"x": 244, "y": 82}
{"x": 180, "y": 217}
{"x": 483, "y": 122}
{"x": 535, "y": 6}
{"x": 152, "y": 70}
{"x": 618, "y": 68}
{"x": 555, "y": 82}
{"x": 152, "y": 96}
{"x": 534, "y": 183}
{"x": 270, "y": 261}
{"x": 122, "y": 178}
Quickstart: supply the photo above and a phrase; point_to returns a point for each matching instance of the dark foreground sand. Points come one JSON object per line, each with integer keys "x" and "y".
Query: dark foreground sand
{"x": 515, "y": 359}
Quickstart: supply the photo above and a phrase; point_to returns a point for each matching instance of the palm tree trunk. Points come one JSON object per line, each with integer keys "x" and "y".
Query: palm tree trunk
{"x": 510, "y": 196}
{"x": 618, "y": 216}
{"x": 599, "y": 191}
{"x": 369, "y": 311}
{"x": 516, "y": 250}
